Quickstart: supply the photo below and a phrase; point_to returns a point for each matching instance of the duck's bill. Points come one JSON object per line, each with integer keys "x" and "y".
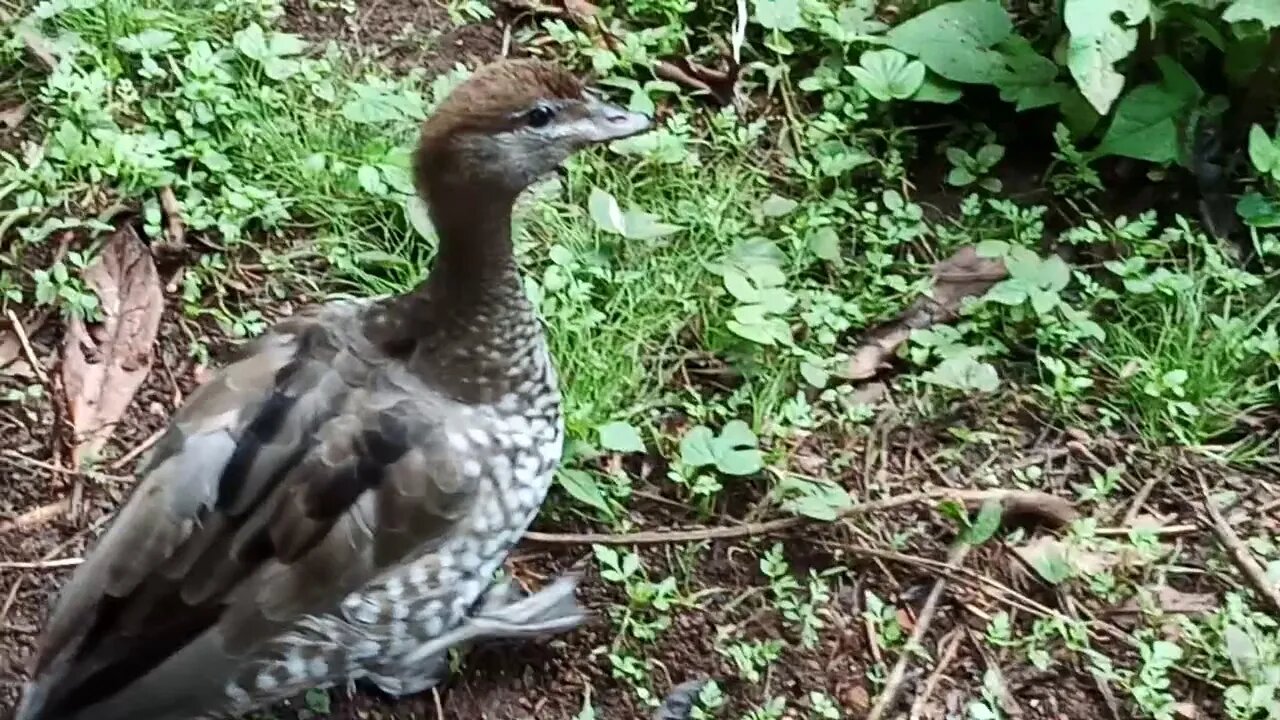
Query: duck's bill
{"x": 610, "y": 122}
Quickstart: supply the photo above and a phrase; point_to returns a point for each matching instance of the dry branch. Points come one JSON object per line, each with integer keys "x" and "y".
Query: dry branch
{"x": 1049, "y": 509}
{"x": 1240, "y": 554}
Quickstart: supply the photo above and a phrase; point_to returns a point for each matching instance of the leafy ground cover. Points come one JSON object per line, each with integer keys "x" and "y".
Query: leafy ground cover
{"x": 924, "y": 363}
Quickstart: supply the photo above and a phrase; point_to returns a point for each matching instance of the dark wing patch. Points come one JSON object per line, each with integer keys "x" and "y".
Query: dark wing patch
{"x": 277, "y": 533}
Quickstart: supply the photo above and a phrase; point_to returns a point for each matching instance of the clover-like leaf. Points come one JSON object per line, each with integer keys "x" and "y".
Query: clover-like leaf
{"x": 888, "y": 74}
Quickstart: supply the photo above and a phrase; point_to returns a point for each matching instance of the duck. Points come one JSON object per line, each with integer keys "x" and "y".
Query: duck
{"x": 333, "y": 506}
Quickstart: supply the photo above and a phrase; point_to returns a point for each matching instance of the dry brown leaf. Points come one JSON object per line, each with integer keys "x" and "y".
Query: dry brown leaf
{"x": 104, "y": 365}
{"x": 12, "y": 117}
{"x": 721, "y": 85}
{"x": 581, "y": 12}
{"x": 965, "y": 274}
{"x": 1171, "y": 601}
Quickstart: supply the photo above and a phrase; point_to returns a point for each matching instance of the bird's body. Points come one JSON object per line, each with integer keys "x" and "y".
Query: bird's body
{"x": 334, "y": 503}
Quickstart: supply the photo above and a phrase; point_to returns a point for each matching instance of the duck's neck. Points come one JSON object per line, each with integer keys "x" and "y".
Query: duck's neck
{"x": 469, "y": 327}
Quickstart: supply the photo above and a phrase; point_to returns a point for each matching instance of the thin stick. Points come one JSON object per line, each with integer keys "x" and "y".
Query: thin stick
{"x": 137, "y": 450}
{"x": 1049, "y": 507}
{"x": 1240, "y": 554}
{"x": 950, "y": 644}
{"x": 41, "y": 564}
{"x": 893, "y": 685}
{"x": 18, "y": 458}
{"x": 21, "y": 332}
{"x": 1141, "y": 499}
{"x": 35, "y": 516}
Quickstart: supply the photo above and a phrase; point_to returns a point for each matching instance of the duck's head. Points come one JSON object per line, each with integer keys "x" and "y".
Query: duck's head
{"x": 511, "y": 122}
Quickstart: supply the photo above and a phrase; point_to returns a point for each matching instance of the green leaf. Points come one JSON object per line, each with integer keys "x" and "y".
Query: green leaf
{"x": 641, "y": 225}
{"x": 888, "y": 74}
{"x": 252, "y": 42}
{"x": 739, "y": 286}
{"x": 416, "y": 211}
{"x": 370, "y": 180}
{"x": 781, "y": 15}
{"x": 606, "y": 213}
{"x": 621, "y": 437}
{"x": 824, "y": 243}
{"x": 777, "y": 206}
{"x": 697, "y": 447}
{"x": 1258, "y": 210}
{"x": 1145, "y": 126}
{"x": 1007, "y": 292}
{"x": 814, "y": 375}
{"x": 737, "y": 433}
{"x": 984, "y": 527}
{"x": 956, "y": 40}
{"x": 937, "y": 90}
{"x": 1054, "y": 273}
{"x": 740, "y": 462}
{"x": 1266, "y": 12}
{"x": 318, "y": 701}
{"x": 1263, "y": 151}
{"x": 1097, "y": 42}
{"x": 583, "y": 487}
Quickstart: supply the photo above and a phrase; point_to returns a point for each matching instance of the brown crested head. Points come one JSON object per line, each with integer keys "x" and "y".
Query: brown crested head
{"x": 509, "y": 123}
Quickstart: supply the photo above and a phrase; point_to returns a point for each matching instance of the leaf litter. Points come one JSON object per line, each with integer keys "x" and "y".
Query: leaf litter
{"x": 105, "y": 363}
{"x": 966, "y": 274}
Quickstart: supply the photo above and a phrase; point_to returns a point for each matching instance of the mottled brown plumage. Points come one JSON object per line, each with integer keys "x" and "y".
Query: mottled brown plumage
{"x": 333, "y": 504}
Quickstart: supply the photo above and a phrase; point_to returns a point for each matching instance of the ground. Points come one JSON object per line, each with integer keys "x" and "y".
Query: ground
{"x": 1038, "y": 547}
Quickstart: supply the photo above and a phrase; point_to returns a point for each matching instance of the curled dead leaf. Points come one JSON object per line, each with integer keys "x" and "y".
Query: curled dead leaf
{"x": 1170, "y": 601}
{"x": 104, "y": 365}
{"x": 965, "y": 274}
{"x": 720, "y": 85}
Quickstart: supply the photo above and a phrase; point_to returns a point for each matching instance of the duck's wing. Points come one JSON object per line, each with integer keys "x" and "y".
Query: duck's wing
{"x": 290, "y": 479}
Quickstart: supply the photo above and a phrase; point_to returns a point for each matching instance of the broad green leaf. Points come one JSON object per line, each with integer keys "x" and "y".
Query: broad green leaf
{"x": 147, "y": 41}
{"x": 697, "y": 447}
{"x": 1054, "y": 273}
{"x": 781, "y": 15}
{"x": 1029, "y": 79}
{"x": 758, "y": 333}
{"x": 740, "y": 462}
{"x": 1266, "y": 12}
{"x": 814, "y": 375}
{"x": 777, "y": 206}
{"x": 824, "y": 243}
{"x": 416, "y": 211}
{"x": 737, "y": 433}
{"x": 888, "y": 74}
{"x": 1259, "y": 210}
{"x": 1263, "y": 151}
{"x": 937, "y": 90}
{"x": 1097, "y": 42}
{"x": 285, "y": 44}
{"x": 370, "y": 180}
{"x": 956, "y": 40}
{"x": 606, "y": 213}
{"x": 641, "y": 225}
{"x": 620, "y": 436}
{"x": 583, "y": 488}
{"x": 739, "y": 286}
{"x": 252, "y": 42}
{"x": 1007, "y": 292}
{"x": 984, "y": 526}
{"x": 1145, "y": 125}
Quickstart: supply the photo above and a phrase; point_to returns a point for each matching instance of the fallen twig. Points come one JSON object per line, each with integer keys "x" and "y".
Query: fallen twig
{"x": 40, "y": 564}
{"x": 1240, "y": 554}
{"x": 14, "y": 457}
{"x": 950, "y": 644}
{"x": 174, "y": 226}
{"x": 1054, "y": 510}
{"x": 893, "y": 685}
{"x": 137, "y": 450}
{"x": 35, "y": 516}
{"x": 18, "y": 330}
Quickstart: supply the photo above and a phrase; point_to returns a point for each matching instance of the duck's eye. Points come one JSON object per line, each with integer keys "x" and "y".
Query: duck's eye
{"x": 540, "y": 116}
